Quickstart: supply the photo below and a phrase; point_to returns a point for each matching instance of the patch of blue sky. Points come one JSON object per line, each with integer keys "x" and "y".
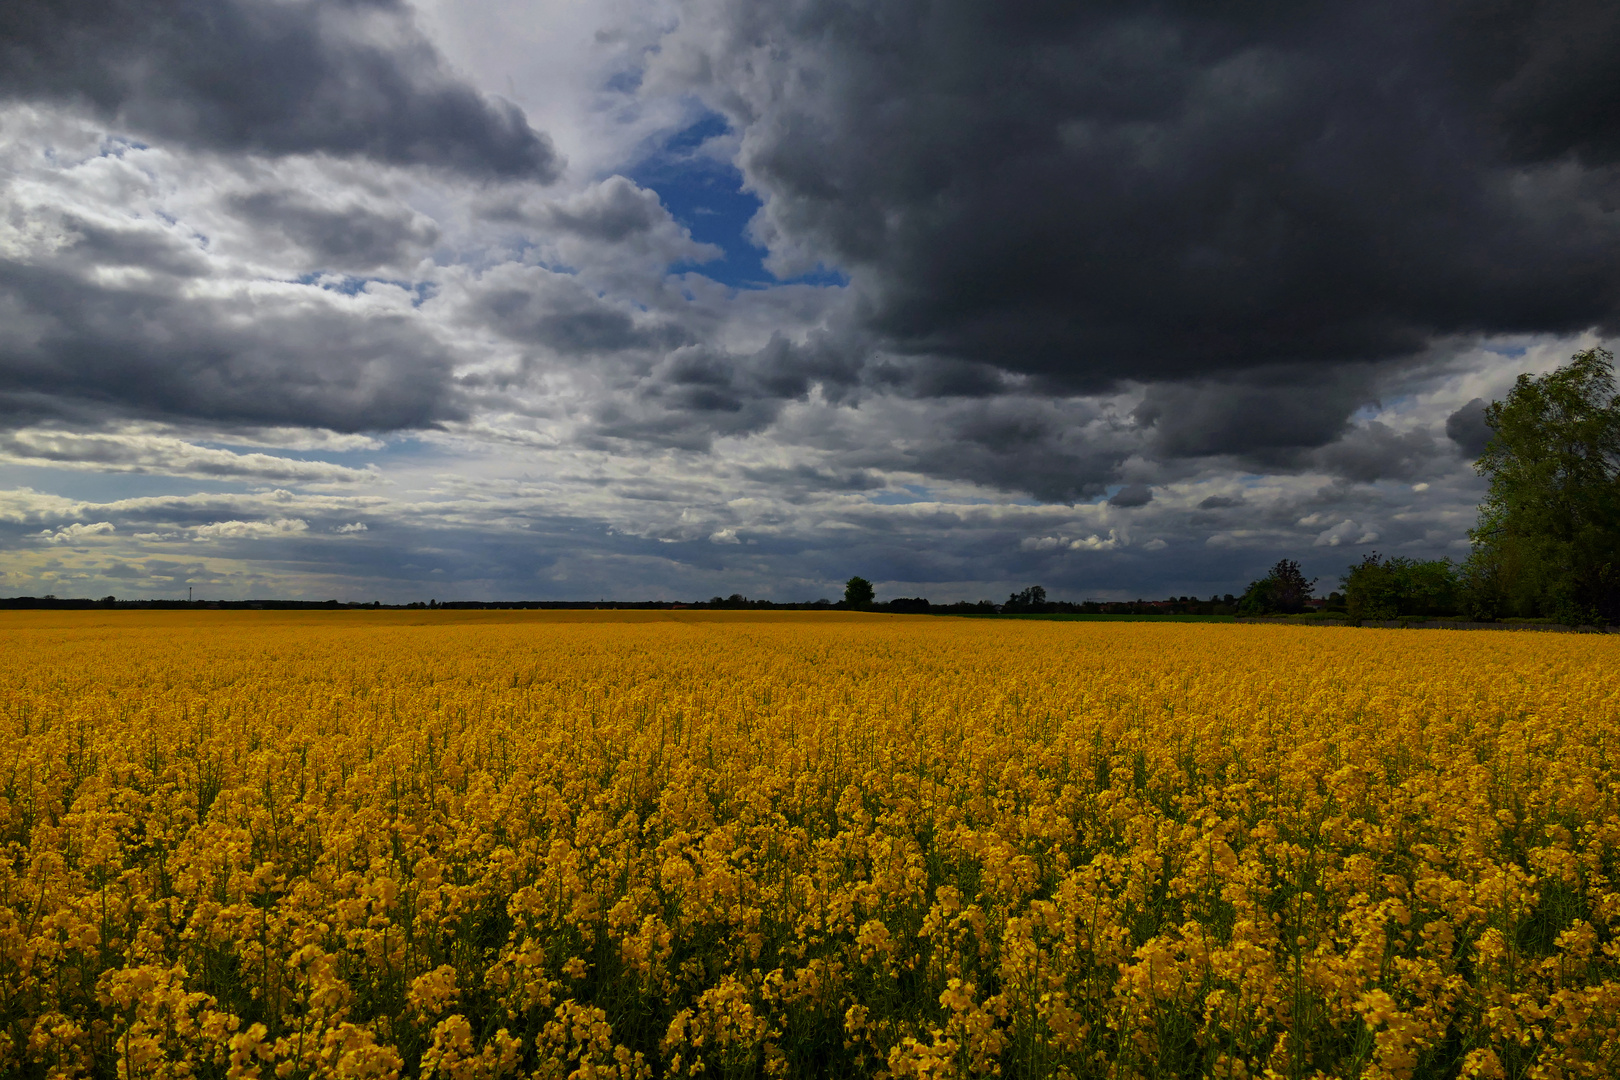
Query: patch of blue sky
{"x": 706, "y": 194}
{"x": 349, "y": 285}
{"x": 1371, "y": 410}
{"x": 1385, "y": 407}
{"x": 119, "y": 145}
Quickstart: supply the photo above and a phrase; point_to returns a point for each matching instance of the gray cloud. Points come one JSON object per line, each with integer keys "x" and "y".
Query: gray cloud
{"x": 535, "y": 306}
{"x": 1062, "y": 454}
{"x": 1089, "y": 193}
{"x": 350, "y": 238}
{"x": 798, "y": 480}
{"x": 1467, "y": 428}
{"x": 343, "y": 77}
{"x": 692, "y": 393}
{"x": 1131, "y": 496}
{"x": 91, "y": 245}
{"x": 690, "y": 396}
{"x": 612, "y": 224}
{"x": 1543, "y": 73}
{"x": 297, "y": 357}
{"x": 612, "y": 211}
{"x": 1266, "y": 417}
{"x": 1374, "y": 451}
{"x": 149, "y": 453}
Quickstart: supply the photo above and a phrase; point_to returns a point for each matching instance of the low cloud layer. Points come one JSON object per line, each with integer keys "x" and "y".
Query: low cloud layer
{"x": 138, "y": 452}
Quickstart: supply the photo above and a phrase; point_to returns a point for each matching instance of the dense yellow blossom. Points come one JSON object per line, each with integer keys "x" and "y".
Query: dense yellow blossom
{"x": 600, "y": 846}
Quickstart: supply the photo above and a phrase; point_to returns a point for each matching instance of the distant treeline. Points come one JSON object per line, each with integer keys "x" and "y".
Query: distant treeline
{"x": 53, "y": 603}
{"x": 1547, "y": 543}
{"x": 1030, "y": 602}
{"x": 858, "y": 595}
{"x": 1375, "y": 589}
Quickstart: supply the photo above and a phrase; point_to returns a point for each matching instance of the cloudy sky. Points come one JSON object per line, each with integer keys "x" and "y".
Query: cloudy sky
{"x": 574, "y": 299}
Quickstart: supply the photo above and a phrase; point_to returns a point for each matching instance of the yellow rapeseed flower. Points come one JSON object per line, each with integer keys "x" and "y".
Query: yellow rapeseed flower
{"x": 618, "y": 846}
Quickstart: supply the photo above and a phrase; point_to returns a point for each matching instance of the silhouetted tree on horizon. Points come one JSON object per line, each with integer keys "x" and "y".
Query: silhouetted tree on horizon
{"x": 858, "y": 592}
{"x": 1283, "y": 591}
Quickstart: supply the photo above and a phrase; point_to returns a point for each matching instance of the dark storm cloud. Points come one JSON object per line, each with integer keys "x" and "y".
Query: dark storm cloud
{"x": 936, "y": 376}
{"x": 1045, "y": 469}
{"x": 1266, "y": 416}
{"x": 1467, "y": 428}
{"x": 695, "y": 392}
{"x": 799, "y": 480}
{"x": 781, "y": 371}
{"x": 347, "y": 238}
{"x": 535, "y": 306}
{"x": 1376, "y": 452}
{"x": 1089, "y": 193}
{"x": 1545, "y": 75}
{"x": 154, "y": 352}
{"x": 1007, "y": 444}
{"x": 1131, "y": 496}
{"x": 788, "y": 369}
{"x": 344, "y": 77}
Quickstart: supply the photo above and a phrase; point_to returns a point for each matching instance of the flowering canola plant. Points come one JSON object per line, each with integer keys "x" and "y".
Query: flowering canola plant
{"x": 611, "y": 846}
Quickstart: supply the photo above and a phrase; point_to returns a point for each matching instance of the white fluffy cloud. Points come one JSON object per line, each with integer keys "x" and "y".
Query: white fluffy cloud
{"x": 1346, "y": 532}
{"x": 249, "y": 530}
{"x": 72, "y": 534}
{"x": 144, "y": 452}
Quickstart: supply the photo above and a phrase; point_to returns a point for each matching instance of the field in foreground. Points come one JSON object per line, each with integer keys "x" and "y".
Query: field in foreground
{"x": 609, "y": 847}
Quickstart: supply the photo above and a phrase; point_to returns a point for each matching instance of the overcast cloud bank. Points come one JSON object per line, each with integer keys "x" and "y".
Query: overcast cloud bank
{"x": 328, "y": 298}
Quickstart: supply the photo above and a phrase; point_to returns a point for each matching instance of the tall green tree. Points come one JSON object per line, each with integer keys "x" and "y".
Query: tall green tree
{"x": 1283, "y": 591}
{"x": 1379, "y": 588}
{"x": 858, "y": 592}
{"x": 1032, "y": 599}
{"x": 1548, "y": 538}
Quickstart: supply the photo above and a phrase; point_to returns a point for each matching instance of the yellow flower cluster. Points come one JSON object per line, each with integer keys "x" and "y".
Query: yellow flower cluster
{"x": 605, "y": 846}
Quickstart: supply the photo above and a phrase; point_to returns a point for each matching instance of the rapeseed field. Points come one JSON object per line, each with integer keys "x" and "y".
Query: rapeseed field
{"x": 604, "y": 846}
